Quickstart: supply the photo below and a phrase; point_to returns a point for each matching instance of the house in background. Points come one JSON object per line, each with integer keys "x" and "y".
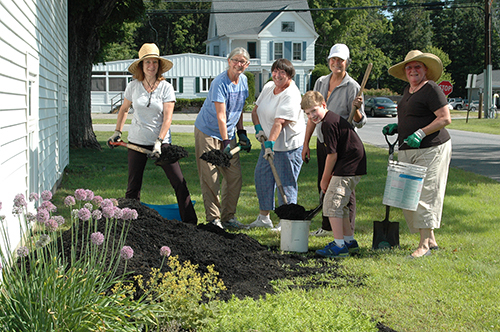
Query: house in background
{"x": 190, "y": 76}
{"x": 274, "y": 30}
{"x": 279, "y": 32}
{"x": 34, "y": 127}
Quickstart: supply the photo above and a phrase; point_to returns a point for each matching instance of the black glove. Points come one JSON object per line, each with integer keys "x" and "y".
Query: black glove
{"x": 244, "y": 141}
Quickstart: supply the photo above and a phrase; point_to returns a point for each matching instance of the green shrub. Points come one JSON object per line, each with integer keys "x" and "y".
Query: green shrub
{"x": 318, "y": 71}
{"x": 181, "y": 104}
{"x": 251, "y": 88}
{"x": 379, "y": 92}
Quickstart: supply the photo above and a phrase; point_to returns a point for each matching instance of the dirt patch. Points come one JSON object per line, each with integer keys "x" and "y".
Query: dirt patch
{"x": 245, "y": 266}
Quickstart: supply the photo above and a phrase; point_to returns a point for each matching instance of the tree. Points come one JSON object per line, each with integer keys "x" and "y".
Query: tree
{"x": 90, "y": 22}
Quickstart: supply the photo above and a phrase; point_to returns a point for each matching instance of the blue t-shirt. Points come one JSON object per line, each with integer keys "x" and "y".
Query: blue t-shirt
{"x": 222, "y": 90}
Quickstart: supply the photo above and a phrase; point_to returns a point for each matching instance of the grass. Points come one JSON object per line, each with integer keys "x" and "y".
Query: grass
{"x": 456, "y": 289}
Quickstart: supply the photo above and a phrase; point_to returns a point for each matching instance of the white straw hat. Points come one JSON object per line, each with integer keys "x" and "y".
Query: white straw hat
{"x": 150, "y": 51}
{"x": 431, "y": 61}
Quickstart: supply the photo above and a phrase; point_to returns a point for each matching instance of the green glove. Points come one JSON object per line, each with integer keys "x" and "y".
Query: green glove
{"x": 244, "y": 142}
{"x": 269, "y": 151}
{"x": 390, "y": 129}
{"x": 415, "y": 139}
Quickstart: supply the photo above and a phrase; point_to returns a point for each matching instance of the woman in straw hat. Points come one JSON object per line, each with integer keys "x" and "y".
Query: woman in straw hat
{"x": 218, "y": 124}
{"x": 340, "y": 92}
{"x": 153, "y": 99}
{"x": 423, "y": 140}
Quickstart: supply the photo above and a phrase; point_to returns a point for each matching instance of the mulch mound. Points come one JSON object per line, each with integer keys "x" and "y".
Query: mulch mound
{"x": 245, "y": 266}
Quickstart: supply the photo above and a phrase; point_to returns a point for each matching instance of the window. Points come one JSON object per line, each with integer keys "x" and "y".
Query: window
{"x": 117, "y": 83}
{"x": 205, "y": 84}
{"x": 252, "y": 49}
{"x": 98, "y": 84}
{"x": 216, "y": 50}
{"x": 278, "y": 51}
{"x": 297, "y": 51}
{"x": 288, "y": 26}
{"x": 173, "y": 81}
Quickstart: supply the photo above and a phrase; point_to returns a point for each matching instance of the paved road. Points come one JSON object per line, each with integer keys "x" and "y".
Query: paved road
{"x": 474, "y": 152}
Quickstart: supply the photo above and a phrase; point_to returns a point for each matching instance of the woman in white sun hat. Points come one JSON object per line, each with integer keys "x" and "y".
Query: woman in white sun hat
{"x": 153, "y": 99}
{"x": 423, "y": 140}
{"x": 340, "y": 92}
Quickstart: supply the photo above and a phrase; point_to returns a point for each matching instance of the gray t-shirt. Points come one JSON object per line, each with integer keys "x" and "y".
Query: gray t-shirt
{"x": 147, "y": 121}
{"x": 340, "y": 100}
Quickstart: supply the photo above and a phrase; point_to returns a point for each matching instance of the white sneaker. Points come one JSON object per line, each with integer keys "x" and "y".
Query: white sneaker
{"x": 233, "y": 223}
{"x": 217, "y": 223}
{"x": 277, "y": 228}
{"x": 320, "y": 232}
{"x": 262, "y": 222}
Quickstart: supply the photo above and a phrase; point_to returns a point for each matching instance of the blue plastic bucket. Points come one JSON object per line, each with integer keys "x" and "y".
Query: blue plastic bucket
{"x": 167, "y": 211}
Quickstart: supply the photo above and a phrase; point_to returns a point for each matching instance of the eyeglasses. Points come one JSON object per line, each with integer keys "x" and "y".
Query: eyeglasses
{"x": 240, "y": 62}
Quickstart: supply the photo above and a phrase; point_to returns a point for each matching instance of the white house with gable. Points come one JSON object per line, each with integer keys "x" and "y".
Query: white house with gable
{"x": 34, "y": 140}
{"x": 269, "y": 31}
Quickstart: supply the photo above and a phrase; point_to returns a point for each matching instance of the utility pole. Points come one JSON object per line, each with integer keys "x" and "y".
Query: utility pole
{"x": 488, "y": 89}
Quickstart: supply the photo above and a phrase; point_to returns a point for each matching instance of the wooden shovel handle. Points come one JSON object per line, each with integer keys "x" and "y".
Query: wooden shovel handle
{"x": 276, "y": 176}
{"x": 131, "y": 146}
{"x": 363, "y": 83}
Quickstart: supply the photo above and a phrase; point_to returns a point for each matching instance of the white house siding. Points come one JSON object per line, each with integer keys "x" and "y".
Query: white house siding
{"x": 34, "y": 110}
{"x": 188, "y": 66}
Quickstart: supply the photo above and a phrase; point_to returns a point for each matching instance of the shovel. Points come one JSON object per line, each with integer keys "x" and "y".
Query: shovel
{"x": 385, "y": 232}
{"x": 218, "y": 157}
{"x": 169, "y": 155}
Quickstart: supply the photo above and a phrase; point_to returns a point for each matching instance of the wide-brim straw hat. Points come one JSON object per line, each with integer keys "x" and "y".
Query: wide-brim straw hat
{"x": 431, "y": 61}
{"x": 150, "y": 51}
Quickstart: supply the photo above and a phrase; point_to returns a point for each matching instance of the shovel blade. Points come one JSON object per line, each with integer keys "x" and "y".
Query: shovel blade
{"x": 385, "y": 235}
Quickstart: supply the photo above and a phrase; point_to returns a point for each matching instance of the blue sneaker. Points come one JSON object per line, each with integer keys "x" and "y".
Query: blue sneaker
{"x": 353, "y": 247}
{"x": 332, "y": 251}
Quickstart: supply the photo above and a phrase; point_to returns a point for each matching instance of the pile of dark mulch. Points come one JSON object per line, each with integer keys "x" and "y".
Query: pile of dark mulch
{"x": 216, "y": 157}
{"x": 171, "y": 153}
{"x": 245, "y": 266}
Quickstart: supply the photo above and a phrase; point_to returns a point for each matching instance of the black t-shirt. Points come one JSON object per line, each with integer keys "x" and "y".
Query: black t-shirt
{"x": 340, "y": 138}
{"x": 415, "y": 111}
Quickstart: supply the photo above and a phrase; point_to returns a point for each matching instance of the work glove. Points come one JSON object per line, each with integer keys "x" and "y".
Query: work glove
{"x": 114, "y": 138}
{"x": 244, "y": 141}
{"x": 155, "y": 154}
{"x": 227, "y": 147}
{"x": 390, "y": 129}
{"x": 415, "y": 139}
{"x": 259, "y": 133}
{"x": 269, "y": 152}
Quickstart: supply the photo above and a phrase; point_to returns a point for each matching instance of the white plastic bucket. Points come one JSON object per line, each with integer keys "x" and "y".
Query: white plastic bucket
{"x": 295, "y": 235}
{"x": 404, "y": 185}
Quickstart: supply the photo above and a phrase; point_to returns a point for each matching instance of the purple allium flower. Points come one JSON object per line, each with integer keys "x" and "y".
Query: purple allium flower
{"x": 108, "y": 212}
{"x": 34, "y": 197}
{"x": 134, "y": 214}
{"x": 90, "y": 195}
{"x": 89, "y": 206}
{"x": 46, "y": 195}
{"x": 74, "y": 213}
{"x": 84, "y": 214}
{"x": 19, "y": 201}
{"x": 60, "y": 220}
{"x": 115, "y": 201}
{"x": 49, "y": 206}
{"x": 165, "y": 251}
{"x": 22, "y": 251}
{"x": 106, "y": 203}
{"x": 69, "y": 201}
{"x": 96, "y": 214}
{"x": 51, "y": 225}
{"x": 126, "y": 252}
{"x": 97, "y": 238}
{"x": 97, "y": 201}
{"x": 43, "y": 241}
{"x": 127, "y": 213}
{"x": 17, "y": 210}
{"x": 80, "y": 194}
{"x": 42, "y": 216}
{"x": 118, "y": 212}
{"x": 30, "y": 217}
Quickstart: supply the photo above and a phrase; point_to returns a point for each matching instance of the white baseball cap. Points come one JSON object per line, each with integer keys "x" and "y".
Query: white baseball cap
{"x": 339, "y": 51}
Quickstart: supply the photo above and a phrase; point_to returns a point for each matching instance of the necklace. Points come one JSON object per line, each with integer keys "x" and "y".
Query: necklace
{"x": 151, "y": 87}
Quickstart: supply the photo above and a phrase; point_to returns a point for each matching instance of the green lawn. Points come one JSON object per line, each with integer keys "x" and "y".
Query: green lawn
{"x": 456, "y": 289}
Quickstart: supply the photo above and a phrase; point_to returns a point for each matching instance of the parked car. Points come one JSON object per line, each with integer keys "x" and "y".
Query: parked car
{"x": 474, "y": 105}
{"x": 456, "y": 103}
{"x": 381, "y": 106}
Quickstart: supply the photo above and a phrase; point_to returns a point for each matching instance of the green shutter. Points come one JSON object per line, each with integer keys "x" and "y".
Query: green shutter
{"x": 197, "y": 80}
{"x": 181, "y": 85}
